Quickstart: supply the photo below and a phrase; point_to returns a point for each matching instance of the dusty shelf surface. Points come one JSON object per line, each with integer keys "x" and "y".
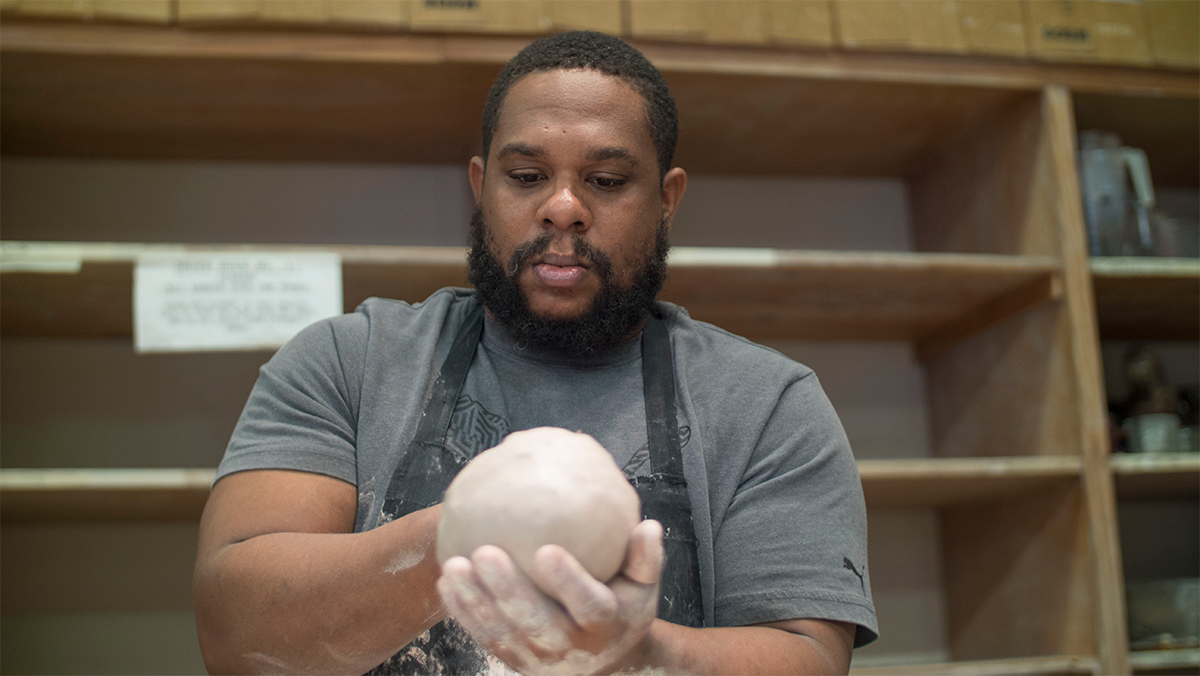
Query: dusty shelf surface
{"x": 938, "y": 482}
{"x": 86, "y": 289}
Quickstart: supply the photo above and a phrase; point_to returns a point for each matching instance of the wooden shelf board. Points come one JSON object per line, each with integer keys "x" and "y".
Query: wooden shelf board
{"x": 1154, "y": 660}
{"x": 79, "y": 494}
{"x": 1156, "y": 475}
{"x": 141, "y": 494}
{"x": 1057, "y": 664}
{"x": 939, "y": 482}
{"x": 1147, "y": 298}
{"x": 107, "y": 90}
{"x": 794, "y": 294}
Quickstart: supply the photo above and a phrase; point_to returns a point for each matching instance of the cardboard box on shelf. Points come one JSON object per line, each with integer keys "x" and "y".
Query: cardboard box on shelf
{"x": 157, "y": 11}
{"x": 873, "y": 24}
{"x": 667, "y": 19}
{"x": 918, "y": 25}
{"x": 734, "y": 21}
{"x": 936, "y": 27}
{"x": 1120, "y": 31}
{"x": 488, "y": 16}
{"x": 606, "y": 16}
{"x": 80, "y": 9}
{"x": 294, "y": 11}
{"x": 1174, "y": 27}
{"x": 1061, "y": 29}
{"x": 799, "y": 22}
{"x": 219, "y": 10}
{"x": 995, "y": 27}
{"x": 380, "y": 13}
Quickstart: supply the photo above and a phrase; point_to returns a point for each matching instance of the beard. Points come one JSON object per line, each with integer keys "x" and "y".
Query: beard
{"x": 612, "y": 315}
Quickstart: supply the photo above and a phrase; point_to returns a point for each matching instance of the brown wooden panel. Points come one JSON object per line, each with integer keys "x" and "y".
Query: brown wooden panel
{"x": 1147, "y": 299}
{"x": 240, "y": 109}
{"x": 985, "y": 192}
{"x": 1017, "y": 577}
{"x": 1007, "y": 390}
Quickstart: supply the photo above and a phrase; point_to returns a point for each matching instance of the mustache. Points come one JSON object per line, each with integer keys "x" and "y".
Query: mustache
{"x": 537, "y": 246}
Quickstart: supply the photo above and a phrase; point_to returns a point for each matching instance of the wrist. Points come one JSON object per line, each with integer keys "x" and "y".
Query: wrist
{"x": 645, "y": 653}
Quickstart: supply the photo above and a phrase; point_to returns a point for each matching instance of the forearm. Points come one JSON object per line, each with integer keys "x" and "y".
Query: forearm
{"x": 318, "y": 603}
{"x": 738, "y": 650}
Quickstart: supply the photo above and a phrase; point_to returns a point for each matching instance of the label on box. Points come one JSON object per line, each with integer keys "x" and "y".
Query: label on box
{"x": 196, "y": 302}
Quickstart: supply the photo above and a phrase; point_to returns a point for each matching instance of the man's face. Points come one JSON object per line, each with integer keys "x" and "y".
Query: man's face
{"x": 570, "y": 203}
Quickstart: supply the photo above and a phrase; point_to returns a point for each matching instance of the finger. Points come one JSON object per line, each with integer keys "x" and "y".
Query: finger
{"x": 644, "y": 560}
{"x": 474, "y": 608}
{"x": 520, "y": 601}
{"x": 589, "y": 602}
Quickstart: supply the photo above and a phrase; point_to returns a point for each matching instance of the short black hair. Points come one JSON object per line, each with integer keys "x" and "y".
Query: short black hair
{"x": 599, "y": 52}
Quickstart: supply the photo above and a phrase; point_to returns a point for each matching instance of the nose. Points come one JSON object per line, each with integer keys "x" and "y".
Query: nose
{"x": 565, "y": 209}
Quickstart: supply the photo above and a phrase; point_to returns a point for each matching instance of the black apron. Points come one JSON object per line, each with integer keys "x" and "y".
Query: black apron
{"x": 428, "y": 466}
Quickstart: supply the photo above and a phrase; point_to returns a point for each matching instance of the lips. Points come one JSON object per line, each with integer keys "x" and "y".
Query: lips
{"x": 560, "y": 272}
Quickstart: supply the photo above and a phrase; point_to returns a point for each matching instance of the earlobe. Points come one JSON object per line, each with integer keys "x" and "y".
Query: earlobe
{"x": 674, "y": 184}
{"x": 475, "y": 171}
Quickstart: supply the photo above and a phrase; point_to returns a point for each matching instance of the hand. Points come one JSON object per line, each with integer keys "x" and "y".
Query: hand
{"x": 582, "y": 627}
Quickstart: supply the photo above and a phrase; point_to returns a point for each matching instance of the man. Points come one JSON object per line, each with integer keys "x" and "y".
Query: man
{"x": 317, "y": 545}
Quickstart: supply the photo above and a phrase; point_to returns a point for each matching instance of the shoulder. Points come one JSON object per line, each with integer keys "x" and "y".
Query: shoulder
{"x": 705, "y": 346}
{"x": 349, "y": 337}
{"x": 376, "y": 316}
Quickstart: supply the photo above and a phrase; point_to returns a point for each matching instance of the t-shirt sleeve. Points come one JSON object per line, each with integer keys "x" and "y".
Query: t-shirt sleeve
{"x": 302, "y": 413}
{"x": 793, "y": 543}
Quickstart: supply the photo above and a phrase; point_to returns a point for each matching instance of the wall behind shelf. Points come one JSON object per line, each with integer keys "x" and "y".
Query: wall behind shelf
{"x": 314, "y": 203}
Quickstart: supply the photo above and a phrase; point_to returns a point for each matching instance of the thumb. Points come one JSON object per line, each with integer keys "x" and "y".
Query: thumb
{"x": 644, "y": 559}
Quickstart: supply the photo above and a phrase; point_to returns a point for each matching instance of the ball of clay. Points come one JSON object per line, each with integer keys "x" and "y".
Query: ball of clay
{"x": 542, "y": 486}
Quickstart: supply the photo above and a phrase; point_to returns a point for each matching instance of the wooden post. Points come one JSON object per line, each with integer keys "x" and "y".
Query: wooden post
{"x": 1111, "y": 632}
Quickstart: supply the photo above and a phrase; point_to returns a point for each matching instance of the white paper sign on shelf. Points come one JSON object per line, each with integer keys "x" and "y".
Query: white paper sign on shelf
{"x": 196, "y": 302}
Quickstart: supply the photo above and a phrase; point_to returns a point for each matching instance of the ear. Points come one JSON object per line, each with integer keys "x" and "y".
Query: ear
{"x": 673, "y": 186}
{"x": 475, "y": 171}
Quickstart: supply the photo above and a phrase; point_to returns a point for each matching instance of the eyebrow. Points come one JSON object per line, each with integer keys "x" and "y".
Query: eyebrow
{"x": 611, "y": 153}
{"x": 521, "y": 148}
{"x": 594, "y": 155}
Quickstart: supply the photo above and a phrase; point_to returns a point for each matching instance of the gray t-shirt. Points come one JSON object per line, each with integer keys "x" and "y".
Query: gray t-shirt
{"x": 765, "y": 456}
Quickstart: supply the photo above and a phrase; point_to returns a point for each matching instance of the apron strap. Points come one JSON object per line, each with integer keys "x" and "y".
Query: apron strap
{"x": 658, "y": 383}
{"x": 438, "y": 412}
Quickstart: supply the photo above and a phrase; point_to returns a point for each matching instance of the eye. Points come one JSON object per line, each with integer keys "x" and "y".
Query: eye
{"x": 608, "y": 182}
{"x": 526, "y": 177}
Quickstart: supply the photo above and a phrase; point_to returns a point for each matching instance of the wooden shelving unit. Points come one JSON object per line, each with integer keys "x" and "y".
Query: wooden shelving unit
{"x": 997, "y": 297}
